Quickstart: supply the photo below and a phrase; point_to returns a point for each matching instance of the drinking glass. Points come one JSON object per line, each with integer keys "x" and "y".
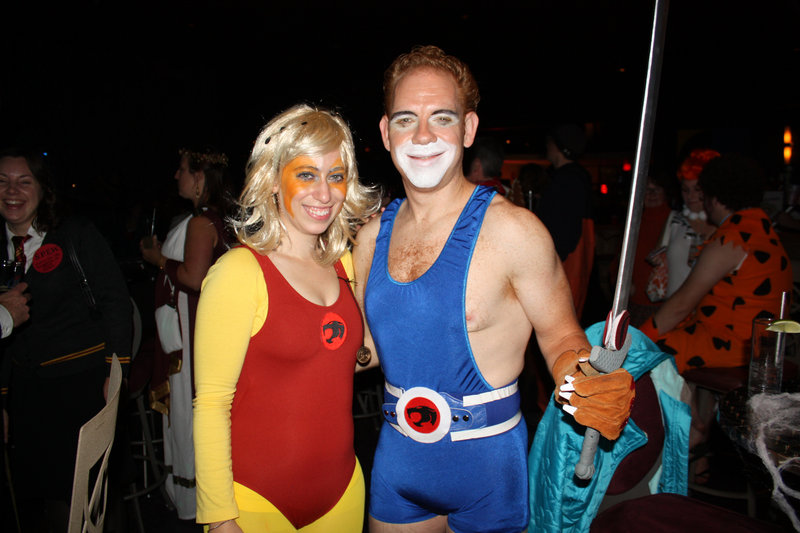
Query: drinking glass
{"x": 766, "y": 362}
{"x": 11, "y": 273}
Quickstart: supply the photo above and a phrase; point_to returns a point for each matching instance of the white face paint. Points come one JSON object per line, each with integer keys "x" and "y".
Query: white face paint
{"x": 425, "y": 164}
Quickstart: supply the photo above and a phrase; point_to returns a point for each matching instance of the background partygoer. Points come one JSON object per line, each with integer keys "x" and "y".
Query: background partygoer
{"x": 683, "y": 232}
{"x": 565, "y": 208}
{"x": 190, "y": 248}
{"x": 56, "y": 366}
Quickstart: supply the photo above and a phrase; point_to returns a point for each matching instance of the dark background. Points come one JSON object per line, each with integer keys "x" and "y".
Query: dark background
{"x": 113, "y": 88}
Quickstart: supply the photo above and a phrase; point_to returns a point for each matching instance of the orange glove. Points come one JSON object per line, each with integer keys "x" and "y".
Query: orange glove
{"x": 599, "y": 401}
{"x": 567, "y": 365}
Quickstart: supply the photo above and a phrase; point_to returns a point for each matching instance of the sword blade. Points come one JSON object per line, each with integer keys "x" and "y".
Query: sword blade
{"x": 584, "y": 469}
{"x": 643, "y": 148}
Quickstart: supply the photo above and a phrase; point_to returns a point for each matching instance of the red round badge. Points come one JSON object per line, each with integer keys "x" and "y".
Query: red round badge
{"x": 333, "y": 331}
{"x": 47, "y": 258}
{"x": 422, "y": 415}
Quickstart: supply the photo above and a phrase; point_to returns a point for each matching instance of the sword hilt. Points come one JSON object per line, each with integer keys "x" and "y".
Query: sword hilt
{"x": 605, "y": 359}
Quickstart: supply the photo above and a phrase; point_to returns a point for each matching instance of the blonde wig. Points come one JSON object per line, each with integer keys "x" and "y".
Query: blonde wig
{"x": 300, "y": 131}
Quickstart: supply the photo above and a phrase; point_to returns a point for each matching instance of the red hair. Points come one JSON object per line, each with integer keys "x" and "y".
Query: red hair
{"x": 434, "y": 58}
{"x": 693, "y": 165}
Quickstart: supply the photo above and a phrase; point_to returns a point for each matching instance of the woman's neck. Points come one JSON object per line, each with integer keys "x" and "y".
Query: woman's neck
{"x": 20, "y": 229}
{"x": 299, "y": 247}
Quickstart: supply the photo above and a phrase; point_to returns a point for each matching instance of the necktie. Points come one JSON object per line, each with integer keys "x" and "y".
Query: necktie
{"x": 19, "y": 248}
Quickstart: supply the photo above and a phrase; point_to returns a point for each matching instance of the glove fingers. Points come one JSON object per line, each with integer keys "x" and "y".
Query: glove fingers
{"x": 620, "y": 401}
{"x": 610, "y": 428}
{"x": 609, "y": 422}
{"x": 617, "y": 381}
{"x": 566, "y": 365}
{"x": 604, "y": 402}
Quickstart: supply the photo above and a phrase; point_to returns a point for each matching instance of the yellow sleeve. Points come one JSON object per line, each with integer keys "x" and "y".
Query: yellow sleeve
{"x": 347, "y": 263}
{"x": 232, "y": 308}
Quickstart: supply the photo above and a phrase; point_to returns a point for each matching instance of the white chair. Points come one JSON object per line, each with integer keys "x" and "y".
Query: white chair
{"x": 88, "y": 508}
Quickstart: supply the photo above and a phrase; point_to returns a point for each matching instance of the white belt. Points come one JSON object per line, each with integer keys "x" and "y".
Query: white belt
{"x": 426, "y": 416}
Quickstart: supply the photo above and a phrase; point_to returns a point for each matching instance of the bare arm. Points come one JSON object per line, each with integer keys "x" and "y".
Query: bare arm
{"x": 198, "y": 254}
{"x": 602, "y": 402}
{"x": 715, "y": 262}
{"x": 542, "y": 288}
{"x": 201, "y": 237}
{"x": 363, "y": 251}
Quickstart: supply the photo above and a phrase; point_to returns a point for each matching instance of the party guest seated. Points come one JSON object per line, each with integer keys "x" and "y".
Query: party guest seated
{"x": 688, "y": 228}
{"x": 740, "y": 273}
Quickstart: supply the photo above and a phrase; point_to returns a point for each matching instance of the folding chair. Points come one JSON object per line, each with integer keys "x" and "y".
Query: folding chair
{"x": 88, "y": 509}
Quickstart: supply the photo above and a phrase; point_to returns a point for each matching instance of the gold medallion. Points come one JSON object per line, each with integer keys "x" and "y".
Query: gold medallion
{"x": 363, "y": 356}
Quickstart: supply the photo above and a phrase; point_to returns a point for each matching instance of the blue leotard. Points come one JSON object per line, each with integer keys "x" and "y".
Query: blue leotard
{"x": 421, "y": 336}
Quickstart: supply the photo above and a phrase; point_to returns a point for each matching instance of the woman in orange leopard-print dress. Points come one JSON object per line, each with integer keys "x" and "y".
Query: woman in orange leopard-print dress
{"x": 741, "y": 272}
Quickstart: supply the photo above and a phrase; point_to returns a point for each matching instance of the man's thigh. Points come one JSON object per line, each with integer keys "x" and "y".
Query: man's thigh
{"x": 437, "y": 524}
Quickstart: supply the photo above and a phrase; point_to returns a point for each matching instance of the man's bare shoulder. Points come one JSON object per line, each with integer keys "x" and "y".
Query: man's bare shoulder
{"x": 369, "y": 231}
{"x": 365, "y": 240}
{"x": 505, "y": 221}
{"x": 515, "y": 240}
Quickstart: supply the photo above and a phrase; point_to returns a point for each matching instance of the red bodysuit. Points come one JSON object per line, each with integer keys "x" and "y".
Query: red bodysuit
{"x": 291, "y": 418}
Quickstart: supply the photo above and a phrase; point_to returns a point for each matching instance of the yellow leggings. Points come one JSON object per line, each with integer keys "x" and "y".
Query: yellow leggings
{"x": 257, "y": 515}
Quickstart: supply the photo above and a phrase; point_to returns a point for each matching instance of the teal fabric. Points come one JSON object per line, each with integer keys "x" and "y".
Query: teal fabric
{"x": 558, "y": 500}
{"x": 674, "y": 473}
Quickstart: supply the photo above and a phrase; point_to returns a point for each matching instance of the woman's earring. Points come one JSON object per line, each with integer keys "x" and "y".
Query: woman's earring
{"x": 197, "y": 191}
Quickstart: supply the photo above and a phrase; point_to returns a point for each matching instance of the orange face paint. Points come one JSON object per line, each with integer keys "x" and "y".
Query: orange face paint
{"x": 303, "y": 174}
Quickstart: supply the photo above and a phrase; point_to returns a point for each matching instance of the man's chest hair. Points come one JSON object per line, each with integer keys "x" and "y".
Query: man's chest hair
{"x": 412, "y": 252}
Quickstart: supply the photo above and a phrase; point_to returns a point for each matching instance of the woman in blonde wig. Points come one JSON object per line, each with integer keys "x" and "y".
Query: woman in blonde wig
{"x": 277, "y": 334}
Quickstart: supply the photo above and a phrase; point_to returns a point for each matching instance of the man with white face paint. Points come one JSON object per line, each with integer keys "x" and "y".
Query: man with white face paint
{"x": 413, "y": 161}
{"x": 452, "y": 281}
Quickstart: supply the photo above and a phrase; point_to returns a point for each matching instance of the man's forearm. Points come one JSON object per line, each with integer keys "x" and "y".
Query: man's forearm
{"x": 574, "y": 342}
